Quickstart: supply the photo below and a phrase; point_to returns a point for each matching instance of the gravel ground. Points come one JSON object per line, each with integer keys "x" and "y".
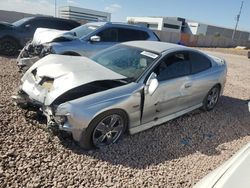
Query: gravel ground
{"x": 177, "y": 154}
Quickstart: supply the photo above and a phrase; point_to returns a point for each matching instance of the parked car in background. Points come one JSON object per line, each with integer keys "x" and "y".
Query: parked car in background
{"x": 131, "y": 86}
{"x": 13, "y": 37}
{"x": 85, "y": 40}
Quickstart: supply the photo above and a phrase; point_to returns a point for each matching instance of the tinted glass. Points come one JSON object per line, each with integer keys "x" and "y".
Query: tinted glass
{"x": 127, "y": 61}
{"x": 58, "y": 24}
{"x": 45, "y": 23}
{"x": 171, "y": 26}
{"x": 173, "y": 66}
{"x": 36, "y": 23}
{"x": 131, "y": 34}
{"x": 199, "y": 62}
{"x": 21, "y": 22}
{"x": 84, "y": 30}
{"x": 108, "y": 35}
{"x": 64, "y": 25}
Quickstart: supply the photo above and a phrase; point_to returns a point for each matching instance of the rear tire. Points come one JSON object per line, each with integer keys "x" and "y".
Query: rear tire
{"x": 107, "y": 128}
{"x": 9, "y": 46}
{"x": 211, "y": 98}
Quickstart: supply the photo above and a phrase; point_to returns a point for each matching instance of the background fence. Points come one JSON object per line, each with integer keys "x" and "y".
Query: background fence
{"x": 199, "y": 40}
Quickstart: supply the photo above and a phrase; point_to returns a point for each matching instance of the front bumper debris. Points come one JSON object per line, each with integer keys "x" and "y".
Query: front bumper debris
{"x": 25, "y": 63}
{"x": 22, "y": 100}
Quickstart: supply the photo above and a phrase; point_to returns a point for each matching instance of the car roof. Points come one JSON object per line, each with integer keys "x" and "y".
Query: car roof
{"x": 117, "y": 24}
{"x": 50, "y": 17}
{"x": 156, "y": 46}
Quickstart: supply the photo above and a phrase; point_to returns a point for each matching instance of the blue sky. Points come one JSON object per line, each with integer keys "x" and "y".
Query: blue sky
{"x": 217, "y": 12}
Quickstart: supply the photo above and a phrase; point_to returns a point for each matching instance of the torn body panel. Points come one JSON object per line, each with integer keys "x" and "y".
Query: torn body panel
{"x": 67, "y": 73}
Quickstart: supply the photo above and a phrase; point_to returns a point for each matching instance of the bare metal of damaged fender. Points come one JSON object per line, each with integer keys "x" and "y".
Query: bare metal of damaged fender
{"x": 80, "y": 112}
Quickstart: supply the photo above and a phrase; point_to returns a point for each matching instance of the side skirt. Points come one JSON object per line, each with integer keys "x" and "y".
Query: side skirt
{"x": 162, "y": 120}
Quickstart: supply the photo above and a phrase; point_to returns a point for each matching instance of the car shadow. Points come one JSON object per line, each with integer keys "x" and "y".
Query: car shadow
{"x": 197, "y": 131}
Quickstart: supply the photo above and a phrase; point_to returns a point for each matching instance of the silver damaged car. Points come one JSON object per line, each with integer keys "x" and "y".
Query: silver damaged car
{"x": 131, "y": 86}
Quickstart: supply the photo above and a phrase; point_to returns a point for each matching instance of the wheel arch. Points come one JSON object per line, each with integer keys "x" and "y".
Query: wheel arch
{"x": 220, "y": 87}
{"x": 112, "y": 110}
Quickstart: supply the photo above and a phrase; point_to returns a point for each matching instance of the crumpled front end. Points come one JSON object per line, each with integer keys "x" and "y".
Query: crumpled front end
{"x": 64, "y": 118}
{"x": 30, "y": 54}
{"x": 53, "y": 82}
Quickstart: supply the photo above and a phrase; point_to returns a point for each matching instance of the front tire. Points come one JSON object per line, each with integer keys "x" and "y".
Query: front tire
{"x": 107, "y": 128}
{"x": 9, "y": 46}
{"x": 211, "y": 98}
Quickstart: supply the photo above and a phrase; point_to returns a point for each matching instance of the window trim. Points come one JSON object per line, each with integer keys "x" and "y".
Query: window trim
{"x": 108, "y": 28}
{"x": 133, "y": 30}
{"x": 193, "y": 73}
{"x": 166, "y": 56}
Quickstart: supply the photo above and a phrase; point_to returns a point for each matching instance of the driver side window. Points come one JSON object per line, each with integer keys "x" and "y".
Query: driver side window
{"x": 109, "y": 35}
{"x": 173, "y": 66}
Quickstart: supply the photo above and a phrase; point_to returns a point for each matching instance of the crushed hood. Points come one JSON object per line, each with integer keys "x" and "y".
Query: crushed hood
{"x": 67, "y": 72}
{"x": 44, "y": 35}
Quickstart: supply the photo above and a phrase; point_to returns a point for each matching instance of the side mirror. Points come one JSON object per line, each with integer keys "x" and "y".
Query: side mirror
{"x": 95, "y": 38}
{"x": 27, "y": 27}
{"x": 152, "y": 84}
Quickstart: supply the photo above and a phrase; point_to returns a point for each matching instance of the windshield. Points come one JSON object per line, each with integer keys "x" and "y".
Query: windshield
{"x": 125, "y": 60}
{"x": 20, "y": 22}
{"x": 84, "y": 30}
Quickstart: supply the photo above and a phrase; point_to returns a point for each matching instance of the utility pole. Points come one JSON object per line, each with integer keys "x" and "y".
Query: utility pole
{"x": 237, "y": 20}
{"x": 55, "y": 8}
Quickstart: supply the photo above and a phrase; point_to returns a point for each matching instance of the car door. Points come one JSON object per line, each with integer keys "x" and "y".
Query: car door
{"x": 173, "y": 75}
{"x": 127, "y": 34}
{"x": 201, "y": 79}
{"x": 108, "y": 38}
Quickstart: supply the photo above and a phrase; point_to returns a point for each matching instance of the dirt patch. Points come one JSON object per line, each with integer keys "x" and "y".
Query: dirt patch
{"x": 232, "y": 51}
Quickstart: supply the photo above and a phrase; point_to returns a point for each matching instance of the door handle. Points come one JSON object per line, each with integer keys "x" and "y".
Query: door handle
{"x": 188, "y": 85}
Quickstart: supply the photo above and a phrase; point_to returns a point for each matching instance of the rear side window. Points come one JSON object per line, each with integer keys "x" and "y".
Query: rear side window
{"x": 109, "y": 35}
{"x": 199, "y": 62}
{"x": 51, "y": 23}
{"x": 131, "y": 34}
{"x": 36, "y": 23}
{"x": 63, "y": 24}
{"x": 173, "y": 66}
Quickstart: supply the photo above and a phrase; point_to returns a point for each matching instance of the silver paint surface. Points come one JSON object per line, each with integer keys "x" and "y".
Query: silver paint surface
{"x": 171, "y": 99}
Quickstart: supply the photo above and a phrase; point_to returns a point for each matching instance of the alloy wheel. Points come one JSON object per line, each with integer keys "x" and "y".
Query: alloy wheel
{"x": 212, "y": 98}
{"x": 108, "y": 130}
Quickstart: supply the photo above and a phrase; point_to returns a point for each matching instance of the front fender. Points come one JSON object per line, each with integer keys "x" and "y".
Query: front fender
{"x": 80, "y": 115}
